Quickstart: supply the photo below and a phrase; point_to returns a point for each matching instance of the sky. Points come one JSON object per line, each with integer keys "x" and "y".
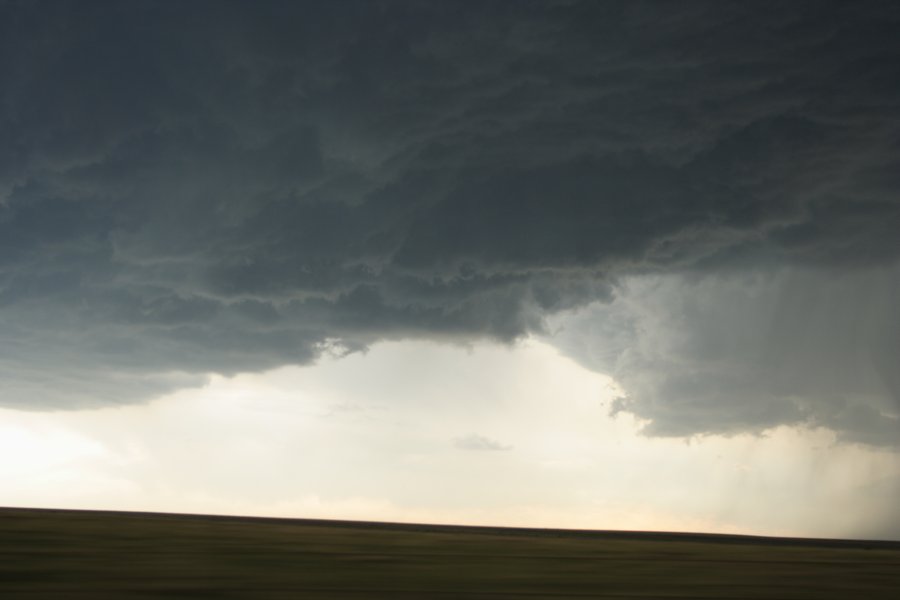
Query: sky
{"x": 555, "y": 263}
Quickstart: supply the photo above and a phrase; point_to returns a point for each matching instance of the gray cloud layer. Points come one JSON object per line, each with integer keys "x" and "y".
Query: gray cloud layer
{"x": 230, "y": 186}
{"x": 728, "y": 353}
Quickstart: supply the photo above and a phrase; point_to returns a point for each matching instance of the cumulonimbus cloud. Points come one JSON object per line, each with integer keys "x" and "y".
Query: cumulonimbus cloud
{"x": 224, "y": 187}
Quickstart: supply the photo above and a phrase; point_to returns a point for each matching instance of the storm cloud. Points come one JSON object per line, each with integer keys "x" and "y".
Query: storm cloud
{"x": 748, "y": 351}
{"x": 199, "y": 187}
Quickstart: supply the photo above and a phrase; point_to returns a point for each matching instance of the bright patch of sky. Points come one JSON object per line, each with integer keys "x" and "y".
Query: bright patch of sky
{"x": 423, "y": 432}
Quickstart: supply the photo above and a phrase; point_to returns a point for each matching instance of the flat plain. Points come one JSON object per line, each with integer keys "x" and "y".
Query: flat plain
{"x": 105, "y": 555}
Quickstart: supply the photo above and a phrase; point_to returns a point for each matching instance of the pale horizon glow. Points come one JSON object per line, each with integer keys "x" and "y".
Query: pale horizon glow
{"x": 416, "y": 431}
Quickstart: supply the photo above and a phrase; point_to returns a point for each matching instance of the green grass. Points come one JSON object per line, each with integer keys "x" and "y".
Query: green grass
{"x": 97, "y": 555}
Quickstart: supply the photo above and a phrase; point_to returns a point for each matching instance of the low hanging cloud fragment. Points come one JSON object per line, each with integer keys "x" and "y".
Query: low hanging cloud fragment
{"x": 225, "y": 186}
{"x": 479, "y": 443}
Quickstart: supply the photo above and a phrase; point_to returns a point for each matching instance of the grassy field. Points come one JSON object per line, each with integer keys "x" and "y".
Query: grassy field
{"x": 105, "y": 555}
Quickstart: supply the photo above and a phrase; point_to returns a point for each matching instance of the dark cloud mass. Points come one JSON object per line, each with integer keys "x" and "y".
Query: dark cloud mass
{"x": 194, "y": 187}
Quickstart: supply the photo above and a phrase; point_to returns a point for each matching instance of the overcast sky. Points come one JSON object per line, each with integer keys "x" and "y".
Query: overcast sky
{"x": 559, "y": 262}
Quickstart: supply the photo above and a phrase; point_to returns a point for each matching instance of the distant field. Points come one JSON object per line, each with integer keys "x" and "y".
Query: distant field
{"x": 105, "y": 555}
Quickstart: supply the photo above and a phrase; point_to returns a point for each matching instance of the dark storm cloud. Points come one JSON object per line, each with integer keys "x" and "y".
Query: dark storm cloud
{"x": 227, "y": 186}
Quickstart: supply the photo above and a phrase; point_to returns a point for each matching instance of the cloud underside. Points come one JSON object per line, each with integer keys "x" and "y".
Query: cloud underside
{"x": 226, "y": 187}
